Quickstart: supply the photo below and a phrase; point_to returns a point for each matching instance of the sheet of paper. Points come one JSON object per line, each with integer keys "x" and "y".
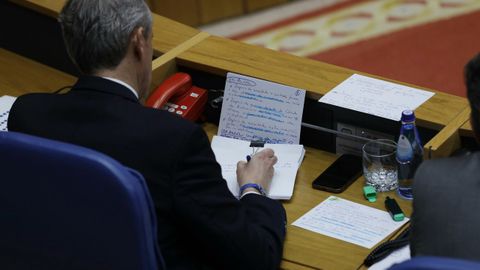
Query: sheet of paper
{"x": 6, "y": 103}
{"x": 255, "y": 109}
{"x": 229, "y": 151}
{"x": 348, "y": 221}
{"x": 376, "y": 97}
{"x": 397, "y": 256}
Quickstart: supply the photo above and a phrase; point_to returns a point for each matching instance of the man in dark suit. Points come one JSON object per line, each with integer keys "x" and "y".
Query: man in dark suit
{"x": 201, "y": 225}
{"x": 445, "y": 218}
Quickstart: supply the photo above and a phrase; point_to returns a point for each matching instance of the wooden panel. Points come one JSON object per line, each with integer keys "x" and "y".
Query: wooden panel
{"x": 286, "y": 265}
{"x": 48, "y": 7}
{"x": 20, "y": 75}
{"x": 252, "y": 5}
{"x": 183, "y": 11}
{"x": 166, "y": 33}
{"x": 213, "y": 10}
{"x": 165, "y": 65}
{"x": 448, "y": 139}
{"x": 219, "y": 55}
{"x": 466, "y": 130}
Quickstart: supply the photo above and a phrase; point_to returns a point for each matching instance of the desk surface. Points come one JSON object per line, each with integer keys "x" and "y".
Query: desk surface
{"x": 19, "y": 75}
{"x": 305, "y": 249}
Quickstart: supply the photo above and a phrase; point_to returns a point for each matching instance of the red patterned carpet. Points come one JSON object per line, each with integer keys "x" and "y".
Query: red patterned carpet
{"x": 425, "y": 43}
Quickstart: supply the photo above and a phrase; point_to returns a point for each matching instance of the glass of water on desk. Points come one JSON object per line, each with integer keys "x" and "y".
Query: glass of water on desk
{"x": 380, "y": 165}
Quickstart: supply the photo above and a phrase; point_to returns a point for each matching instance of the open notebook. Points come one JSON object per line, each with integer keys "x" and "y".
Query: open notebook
{"x": 229, "y": 151}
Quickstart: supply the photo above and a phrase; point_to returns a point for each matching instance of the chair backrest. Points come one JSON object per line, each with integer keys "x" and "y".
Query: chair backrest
{"x": 68, "y": 207}
{"x": 436, "y": 263}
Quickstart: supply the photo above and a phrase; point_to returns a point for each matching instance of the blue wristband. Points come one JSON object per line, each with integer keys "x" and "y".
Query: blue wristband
{"x": 258, "y": 187}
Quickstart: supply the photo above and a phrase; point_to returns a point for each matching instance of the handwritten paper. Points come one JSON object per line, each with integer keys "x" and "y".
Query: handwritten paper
{"x": 6, "y": 103}
{"x": 376, "y": 97}
{"x": 229, "y": 151}
{"x": 255, "y": 109}
{"x": 348, "y": 221}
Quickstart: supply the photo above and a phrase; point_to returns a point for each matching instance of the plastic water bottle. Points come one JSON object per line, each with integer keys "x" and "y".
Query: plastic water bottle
{"x": 409, "y": 154}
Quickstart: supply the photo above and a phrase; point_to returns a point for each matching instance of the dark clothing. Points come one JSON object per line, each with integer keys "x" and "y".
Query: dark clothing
{"x": 200, "y": 223}
{"x": 445, "y": 219}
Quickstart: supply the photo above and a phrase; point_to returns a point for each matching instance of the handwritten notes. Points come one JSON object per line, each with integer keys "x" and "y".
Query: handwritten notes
{"x": 6, "y": 103}
{"x": 229, "y": 151}
{"x": 376, "y": 97}
{"x": 255, "y": 109}
{"x": 348, "y": 221}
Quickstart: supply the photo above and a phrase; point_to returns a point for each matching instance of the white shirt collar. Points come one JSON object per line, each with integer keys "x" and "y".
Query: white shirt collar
{"x": 124, "y": 84}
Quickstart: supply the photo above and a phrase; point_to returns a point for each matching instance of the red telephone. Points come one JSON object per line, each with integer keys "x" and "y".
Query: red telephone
{"x": 177, "y": 95}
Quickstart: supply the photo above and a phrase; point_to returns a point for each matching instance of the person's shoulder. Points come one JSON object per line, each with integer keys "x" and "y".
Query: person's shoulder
{"x": 167, "y": 119}
{"x": 33, "y": 96}
{"x": 31, "y": 99}
{"x": 445, "y": 170}
{"x": 170, "y": 125}
{"x": 452, "y": 162}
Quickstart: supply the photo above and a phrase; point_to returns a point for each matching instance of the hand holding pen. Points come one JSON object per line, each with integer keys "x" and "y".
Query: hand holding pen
{"x": 258, "y": 169}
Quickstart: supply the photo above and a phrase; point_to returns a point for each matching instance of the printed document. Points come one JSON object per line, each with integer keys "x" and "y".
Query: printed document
{"x": 376, "y": 97}
{"x": 229, "y": 151}
{"x": 348, "y": 221}
{"x": 6, "y": 103}
{"x": 255, "y": 109}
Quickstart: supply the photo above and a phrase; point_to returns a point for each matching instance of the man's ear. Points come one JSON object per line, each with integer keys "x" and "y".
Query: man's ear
{"x": 138, "y": 42}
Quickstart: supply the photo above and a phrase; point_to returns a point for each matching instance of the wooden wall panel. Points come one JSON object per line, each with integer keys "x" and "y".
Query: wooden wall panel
{"x": 253, "y": 5}
{"x": 183, "y": 11}
{"x": 213, "y": 10}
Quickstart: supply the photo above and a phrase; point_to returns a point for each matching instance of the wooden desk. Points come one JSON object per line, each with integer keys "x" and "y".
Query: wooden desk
{"x": 19, "y": 75}
{"x": 308, "y": 250}
{"x": 215, "y": 55}
{"x": 219, "y": 55}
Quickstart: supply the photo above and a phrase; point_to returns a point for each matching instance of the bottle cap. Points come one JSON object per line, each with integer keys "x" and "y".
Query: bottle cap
{"x": 408, "y": 116}
{"x": 370, "y": 193}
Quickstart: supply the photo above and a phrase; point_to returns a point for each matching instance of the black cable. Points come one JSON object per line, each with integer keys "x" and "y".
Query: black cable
{"x": 388, "y": 247}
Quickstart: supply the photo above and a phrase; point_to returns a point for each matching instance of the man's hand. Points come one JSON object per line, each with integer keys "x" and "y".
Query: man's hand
{"x": 258, "y": 170}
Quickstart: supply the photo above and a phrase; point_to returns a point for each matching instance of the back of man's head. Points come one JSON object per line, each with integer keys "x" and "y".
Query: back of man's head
{"x": 472, "y": 81}
{"x": 97, "y": 33}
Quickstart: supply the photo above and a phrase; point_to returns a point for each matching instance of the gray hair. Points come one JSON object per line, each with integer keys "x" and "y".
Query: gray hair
{"x": 97, "y": 32}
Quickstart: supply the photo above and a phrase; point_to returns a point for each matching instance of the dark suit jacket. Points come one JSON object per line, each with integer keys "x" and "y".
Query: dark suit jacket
{"x": 446, "y": 217}
{"x": 199, "y": 222}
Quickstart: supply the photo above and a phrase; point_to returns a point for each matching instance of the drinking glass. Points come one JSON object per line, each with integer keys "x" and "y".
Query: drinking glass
{"x": 380, "y": 165}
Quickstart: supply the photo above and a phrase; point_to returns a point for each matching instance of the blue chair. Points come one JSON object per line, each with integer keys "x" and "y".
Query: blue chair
{"x": 435, "y": 263}
{"x": 67, "y": 207}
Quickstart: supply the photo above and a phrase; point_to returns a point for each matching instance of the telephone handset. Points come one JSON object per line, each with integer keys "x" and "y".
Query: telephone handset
{"x": 177, "y": 95}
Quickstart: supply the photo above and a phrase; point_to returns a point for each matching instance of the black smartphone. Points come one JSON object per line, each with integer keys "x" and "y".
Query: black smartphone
{"x": 338, "y": 176}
